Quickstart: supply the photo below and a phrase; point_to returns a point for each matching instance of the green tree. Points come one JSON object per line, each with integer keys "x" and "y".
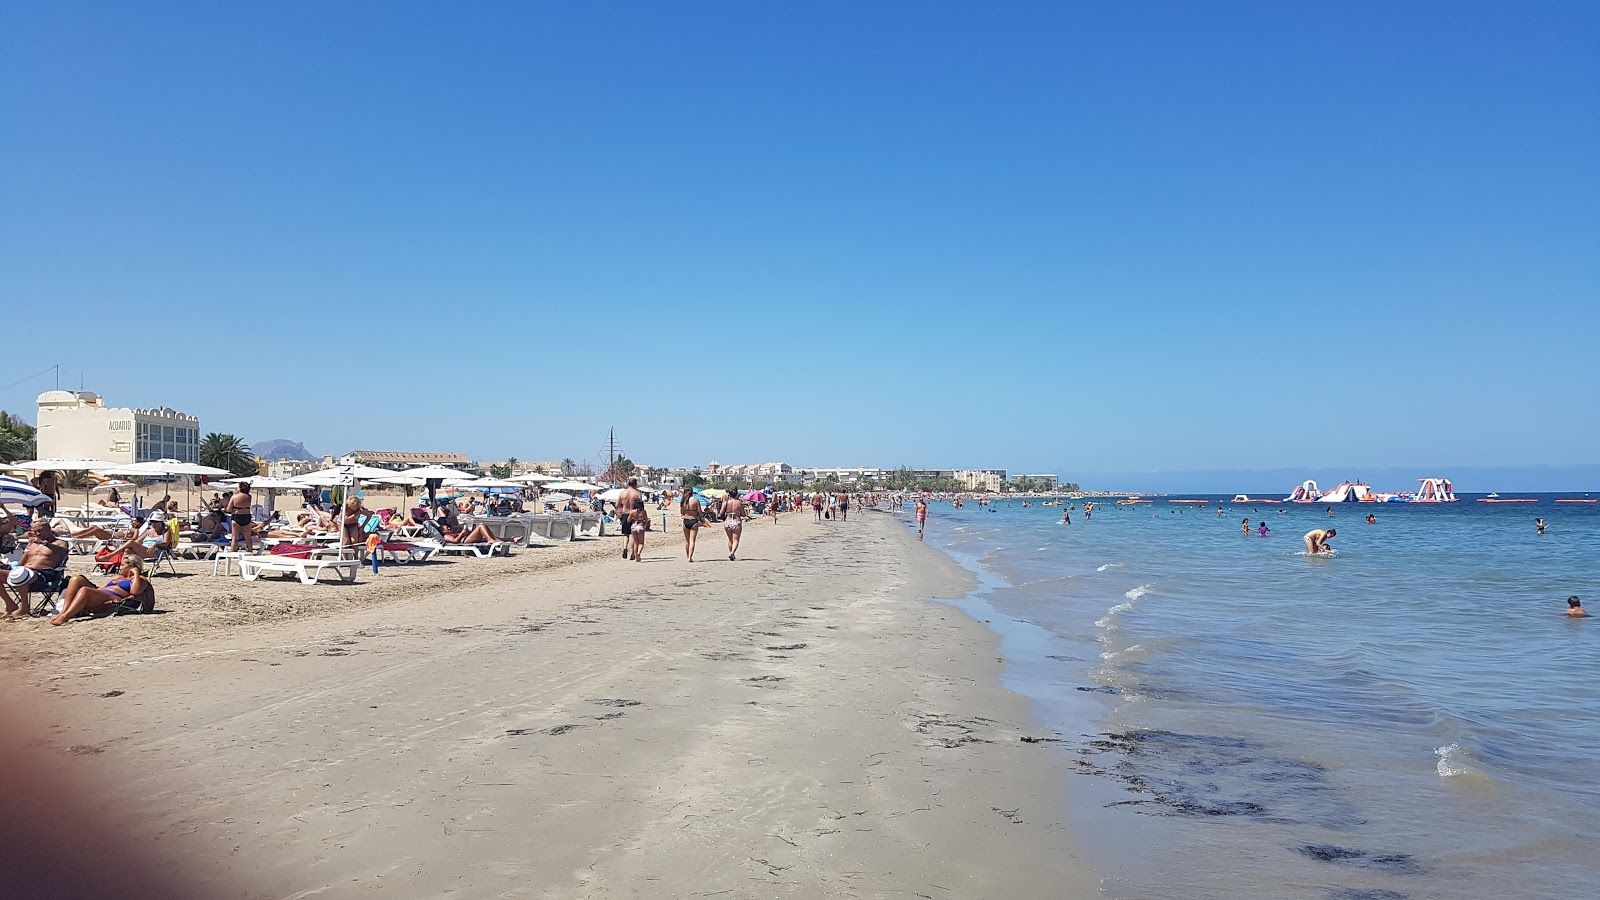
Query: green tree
{"x": 569, "y": 467}
{"x": 500, "y": 471}
{"x": 693, "y": 480}
{"x": 16, "y": 438}
{"x": 225, "y": 451}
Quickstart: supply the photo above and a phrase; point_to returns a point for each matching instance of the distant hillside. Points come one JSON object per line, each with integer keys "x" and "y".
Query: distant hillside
{"x": 281, "y": 448}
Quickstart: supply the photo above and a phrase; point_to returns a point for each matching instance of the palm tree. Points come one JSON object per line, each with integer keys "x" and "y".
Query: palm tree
{"x": 568, "y": 467}
{"x": 225, "y": 451}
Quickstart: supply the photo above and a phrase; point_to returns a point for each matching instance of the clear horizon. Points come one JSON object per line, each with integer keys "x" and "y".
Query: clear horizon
{"x": 1152, "y": 243}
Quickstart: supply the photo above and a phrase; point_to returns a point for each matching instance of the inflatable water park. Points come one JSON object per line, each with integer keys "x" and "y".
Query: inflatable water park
{"x": 1429, "y": 490}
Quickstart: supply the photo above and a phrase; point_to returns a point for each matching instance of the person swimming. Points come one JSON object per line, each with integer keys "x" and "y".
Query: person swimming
{"x": 1575, "y": 607}
{"x": 1372, "y": 519}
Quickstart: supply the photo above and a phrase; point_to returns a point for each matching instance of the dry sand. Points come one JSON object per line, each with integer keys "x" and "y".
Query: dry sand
{"x": 798, "y": 723}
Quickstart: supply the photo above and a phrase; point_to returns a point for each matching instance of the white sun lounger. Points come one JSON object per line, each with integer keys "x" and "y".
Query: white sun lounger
{"x": 309, "y": 570}
{"x": 421, "y": 551}
{"x": 482, "y": 551}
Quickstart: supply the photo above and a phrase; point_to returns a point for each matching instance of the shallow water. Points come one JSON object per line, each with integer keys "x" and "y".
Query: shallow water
{"x": 1412, "y": 717}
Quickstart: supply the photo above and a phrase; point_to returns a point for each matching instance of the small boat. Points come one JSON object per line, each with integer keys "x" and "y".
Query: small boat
{"x": 1492, "y": 495}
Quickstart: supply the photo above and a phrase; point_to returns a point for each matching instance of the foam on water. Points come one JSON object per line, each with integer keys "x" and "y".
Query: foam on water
{"x": 1112, "y": 566}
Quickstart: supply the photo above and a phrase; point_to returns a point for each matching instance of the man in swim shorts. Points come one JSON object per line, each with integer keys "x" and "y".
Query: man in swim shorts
{"x": 922, "y": 516}
{"x": 626, "y": 501}
{"x": 733, "y": 516}
{"x": 1317, "y": 541}
{"x": 692, "y": 512}
{"x": 44, "y": 552}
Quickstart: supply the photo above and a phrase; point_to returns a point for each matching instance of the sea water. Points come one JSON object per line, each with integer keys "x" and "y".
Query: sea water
{"x": 1412, "y": 717}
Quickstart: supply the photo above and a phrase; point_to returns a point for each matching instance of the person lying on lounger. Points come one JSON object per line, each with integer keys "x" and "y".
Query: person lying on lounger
{"x": 83, "y": 597}
{"x": 148, "y": 541}
{"x": 478, "y": 535}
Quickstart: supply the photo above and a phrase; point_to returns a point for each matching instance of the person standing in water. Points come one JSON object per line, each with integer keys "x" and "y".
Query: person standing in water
{"x": 1538, "y": 526}
{"x": 1245, "y": 528}
{"x": 1317, "y": 541}
{"x": 1372, "y": 519}
{"x": 922, "y": 517}
{"x": 1575, "y": 607}
{"x": 1263, "y": 529}
{"x": 1066, "y": 516}
{"x": 692, "y": 512}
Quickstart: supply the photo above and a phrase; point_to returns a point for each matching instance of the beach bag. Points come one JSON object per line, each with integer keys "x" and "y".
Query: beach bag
{"x": 828, "y": 514}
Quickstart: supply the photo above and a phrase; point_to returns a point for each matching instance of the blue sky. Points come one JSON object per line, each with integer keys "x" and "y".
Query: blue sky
{"x": 1084, "y": 238}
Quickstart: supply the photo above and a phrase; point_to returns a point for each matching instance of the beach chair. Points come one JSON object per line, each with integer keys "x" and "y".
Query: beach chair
{"x": 482, "y": 551}
{"x": 309, "y": 571}
{"x": 407, "y": 552}
{"x": 44, "y": 594}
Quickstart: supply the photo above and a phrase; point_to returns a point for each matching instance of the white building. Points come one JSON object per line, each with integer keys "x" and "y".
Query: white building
{"x": 80, "y": 425}
{"x": 981, "y": 479}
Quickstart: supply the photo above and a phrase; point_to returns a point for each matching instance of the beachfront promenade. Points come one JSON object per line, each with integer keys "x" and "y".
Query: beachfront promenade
{"x": 801, "y": 722}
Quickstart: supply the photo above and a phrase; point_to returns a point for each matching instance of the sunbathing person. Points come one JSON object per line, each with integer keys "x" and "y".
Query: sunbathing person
{"x": 82, "y": 597}
{"x": 44, "y": 552}
{"x": 148, "y": 542}
{"x": 93, "y": 531}
{"x": 478, "y": 535}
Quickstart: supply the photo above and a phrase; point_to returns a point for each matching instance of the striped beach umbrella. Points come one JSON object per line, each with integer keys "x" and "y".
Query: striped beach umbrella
{"x": 19, "y": 492}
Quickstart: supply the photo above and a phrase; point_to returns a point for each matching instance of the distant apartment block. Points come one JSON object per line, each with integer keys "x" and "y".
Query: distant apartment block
{"x": 761, "y": 473}
{"x": 1041, "y": 482}
{"x": 80, "y": 425}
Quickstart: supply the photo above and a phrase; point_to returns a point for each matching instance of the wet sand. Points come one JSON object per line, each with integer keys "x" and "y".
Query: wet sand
{"x": 800, "y": 722}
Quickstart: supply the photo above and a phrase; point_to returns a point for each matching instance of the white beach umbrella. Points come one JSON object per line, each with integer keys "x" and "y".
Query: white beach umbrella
{"x": 557, "y": 497}
{"x": 106, "y": 487}
{"x": 262, "y": 484}
{"x": 442, "y": 473}
{"x": 486, "y": 483}
{"x": 164, "y": 467}
{"x": 63, "y": 465}
{"x": 535, "y": 477}
{"x": 340, "y": 474}
{"x": 573, "y": 486}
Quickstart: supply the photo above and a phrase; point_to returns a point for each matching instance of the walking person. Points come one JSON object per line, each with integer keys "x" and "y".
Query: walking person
{"x": 816, "y": 506}
{"x": 922, "y": 517}
{"x": 639, "y": 523}
{"x": 844, "y": 507}
{"x": 626, "y": 501}
{"x": 733, "y": 516}
{"x": 692, "y": 513}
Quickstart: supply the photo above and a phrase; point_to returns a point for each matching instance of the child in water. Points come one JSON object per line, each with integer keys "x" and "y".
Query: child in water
{"x": 1575, "y": 607}
{"x": 1263, "y": 529}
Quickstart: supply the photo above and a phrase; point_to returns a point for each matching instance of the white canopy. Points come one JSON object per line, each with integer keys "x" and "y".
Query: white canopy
{"x": 573, "y": 486}
{"x": 62, "y": 465}
{"x": 557, "y": 497}
{"x": 165, "y": 467}
{"x": 264, "y": 484}
{"x": 535, "y": 477}
{"x": 338, "y": 474}
{"x": 484, "y": 483}
{"x": 441, "y": 472}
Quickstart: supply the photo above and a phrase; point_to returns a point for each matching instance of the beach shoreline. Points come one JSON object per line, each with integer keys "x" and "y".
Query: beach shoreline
{"x": 796, "y": 723}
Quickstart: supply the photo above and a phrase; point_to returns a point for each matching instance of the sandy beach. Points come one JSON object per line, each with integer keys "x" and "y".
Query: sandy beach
{"x": 802, "y": 722}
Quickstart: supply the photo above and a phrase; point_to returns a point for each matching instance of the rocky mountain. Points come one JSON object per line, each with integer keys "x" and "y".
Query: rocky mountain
{"x": 281, "y": 448}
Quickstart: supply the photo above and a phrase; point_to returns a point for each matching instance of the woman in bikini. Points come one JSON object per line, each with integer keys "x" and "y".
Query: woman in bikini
{"x": 238, "y": 510}
{"x": 690, "y": 510}
{"x": 478, "y": 535}
{"x": 81, "y": 596}
{"x": 922, "y": 516}
{"x": 638, "y": 524}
